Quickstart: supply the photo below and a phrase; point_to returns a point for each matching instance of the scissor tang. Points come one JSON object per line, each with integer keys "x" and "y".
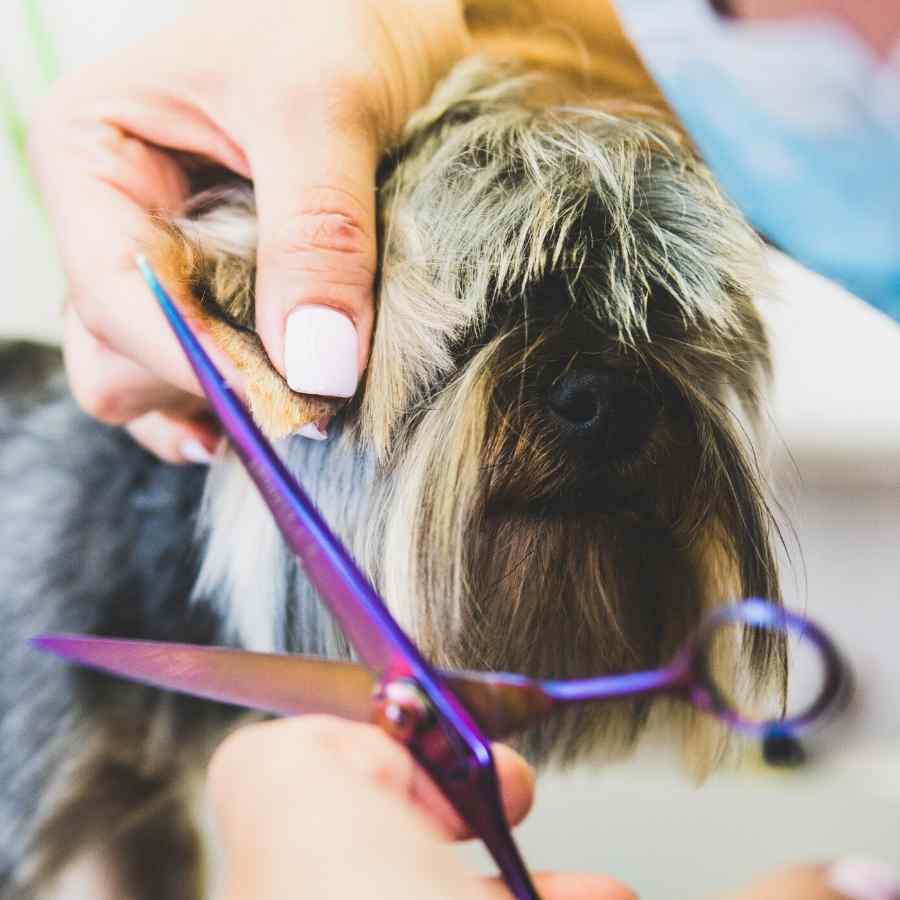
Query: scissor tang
{"x": 437, "y": 728}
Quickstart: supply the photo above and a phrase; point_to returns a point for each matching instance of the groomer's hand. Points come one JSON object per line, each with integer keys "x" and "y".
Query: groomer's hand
{"x": 300, "y": 96}
{"x": 317, "y": 807}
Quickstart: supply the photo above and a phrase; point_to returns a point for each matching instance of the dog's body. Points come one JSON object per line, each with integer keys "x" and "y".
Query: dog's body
{"x": 547, "y": 469}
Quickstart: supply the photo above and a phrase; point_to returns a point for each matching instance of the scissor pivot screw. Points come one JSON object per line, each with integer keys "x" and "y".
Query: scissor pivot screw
{"x": 400, "y": 709}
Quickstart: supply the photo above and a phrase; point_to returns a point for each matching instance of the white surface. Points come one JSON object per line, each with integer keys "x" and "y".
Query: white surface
{"x": 837, "y": 364}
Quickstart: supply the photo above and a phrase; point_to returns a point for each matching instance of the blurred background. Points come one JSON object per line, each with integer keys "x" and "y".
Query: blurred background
{"x": 835, "y": 417}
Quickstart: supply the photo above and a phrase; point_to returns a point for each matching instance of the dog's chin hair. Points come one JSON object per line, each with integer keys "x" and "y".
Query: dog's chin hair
{"x": 496, "y": 204}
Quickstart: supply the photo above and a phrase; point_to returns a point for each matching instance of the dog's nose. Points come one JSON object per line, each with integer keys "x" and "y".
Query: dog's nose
{"x": 611, "y": 412}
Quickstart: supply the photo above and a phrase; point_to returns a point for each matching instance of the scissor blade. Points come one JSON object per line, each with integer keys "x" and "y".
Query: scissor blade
{"x": 377, "y": 638}
{"x": 286, "y": 685}
{"x": 502, "y": 705}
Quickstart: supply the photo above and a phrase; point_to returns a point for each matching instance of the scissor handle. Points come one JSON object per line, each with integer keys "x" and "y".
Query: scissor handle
{"x": 700, "y": 685}
{"x": 691, "y": 676}
{"x": 466, "y": 774}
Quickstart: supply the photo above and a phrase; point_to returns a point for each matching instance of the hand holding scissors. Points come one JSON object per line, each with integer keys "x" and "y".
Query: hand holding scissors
{"x": 284, "y": 832}
{"x": 445, "y": 719}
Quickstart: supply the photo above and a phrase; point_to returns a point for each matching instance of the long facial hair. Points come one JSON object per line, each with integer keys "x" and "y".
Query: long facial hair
{"x": 523, "y": 237}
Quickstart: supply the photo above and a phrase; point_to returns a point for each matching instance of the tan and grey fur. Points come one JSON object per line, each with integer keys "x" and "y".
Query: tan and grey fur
{"x": 523, "y": 235}
{"x": 530, "y": 237}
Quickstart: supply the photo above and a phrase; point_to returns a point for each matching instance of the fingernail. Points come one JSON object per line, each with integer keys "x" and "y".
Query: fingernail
{"x": 312, "y": 431}
{"x": 864, "y": 879}
{"x": 193, "y": 451}
{"x": 321, "y": 350}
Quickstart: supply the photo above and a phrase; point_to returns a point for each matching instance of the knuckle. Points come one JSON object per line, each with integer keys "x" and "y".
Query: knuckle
{"x": 379, "y": 760}
{"x": 323, "y": 223}
{"x": 325, "y": 737}
{"x": 92, "y": 315}
{"x": 96, "y": 394}
{"x": 325, "y": 241}
{"x": 99, "y": 400}
{"x": 356, "y": 750}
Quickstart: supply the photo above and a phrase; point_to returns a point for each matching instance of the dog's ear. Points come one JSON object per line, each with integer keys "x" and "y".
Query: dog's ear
{"x": 207, "y": 259}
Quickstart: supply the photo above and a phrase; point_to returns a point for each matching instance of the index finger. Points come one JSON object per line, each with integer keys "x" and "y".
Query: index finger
{"x": 101, "y": 183}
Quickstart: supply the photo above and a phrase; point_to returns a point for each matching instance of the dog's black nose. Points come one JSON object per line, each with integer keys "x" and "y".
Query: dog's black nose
{"x": 611, "y": 412}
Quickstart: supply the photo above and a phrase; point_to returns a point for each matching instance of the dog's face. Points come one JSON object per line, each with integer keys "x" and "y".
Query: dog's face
{"x": 566, "y": 368}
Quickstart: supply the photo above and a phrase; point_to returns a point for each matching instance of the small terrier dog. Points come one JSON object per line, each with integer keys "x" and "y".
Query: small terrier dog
{"x": 550, "y": 467}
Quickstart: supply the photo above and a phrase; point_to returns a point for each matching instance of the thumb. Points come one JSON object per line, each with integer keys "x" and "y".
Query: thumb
{"x": 317, "y": 253}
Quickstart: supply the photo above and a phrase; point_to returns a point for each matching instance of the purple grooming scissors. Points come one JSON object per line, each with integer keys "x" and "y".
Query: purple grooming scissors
{"x": 446, "y": 719}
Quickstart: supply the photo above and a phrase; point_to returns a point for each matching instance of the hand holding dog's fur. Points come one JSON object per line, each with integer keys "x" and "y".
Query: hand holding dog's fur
{"x": 303, "y": 98}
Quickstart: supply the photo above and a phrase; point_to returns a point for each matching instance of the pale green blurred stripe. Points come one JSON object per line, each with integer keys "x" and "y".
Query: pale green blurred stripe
{"x": 44, "y": 48}
{"x": 16, "y": 134}
{"x": 48, "y": 65}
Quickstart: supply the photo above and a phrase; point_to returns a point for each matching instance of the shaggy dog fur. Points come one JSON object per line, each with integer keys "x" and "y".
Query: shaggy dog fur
{"x": 548, "y": 469}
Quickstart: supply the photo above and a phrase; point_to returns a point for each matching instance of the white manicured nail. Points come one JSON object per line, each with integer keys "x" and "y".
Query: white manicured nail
{"x": 864, "y": 879}
{"x": 312, "y": 431}
{"x": 193, "y": 451}
{"x": 321, "y": 350}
